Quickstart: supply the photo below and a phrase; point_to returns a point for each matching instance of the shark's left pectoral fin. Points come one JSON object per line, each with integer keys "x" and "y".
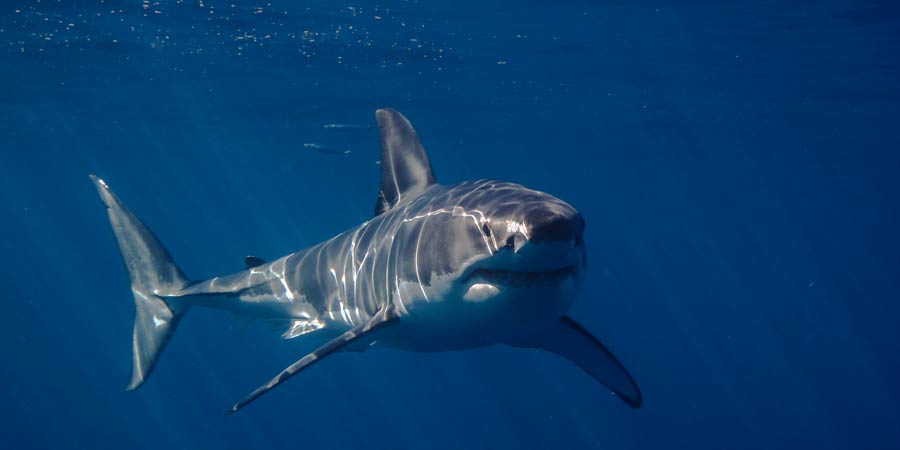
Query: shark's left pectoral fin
{"x": 353, "y": 336}
{"x": 570, "y": 340}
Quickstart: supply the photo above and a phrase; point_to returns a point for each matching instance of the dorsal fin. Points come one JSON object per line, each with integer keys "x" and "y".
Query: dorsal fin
{"x": 405, "y": 168}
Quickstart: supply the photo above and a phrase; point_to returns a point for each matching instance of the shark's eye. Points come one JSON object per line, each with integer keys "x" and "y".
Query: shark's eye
{"x": 486, "y": 229}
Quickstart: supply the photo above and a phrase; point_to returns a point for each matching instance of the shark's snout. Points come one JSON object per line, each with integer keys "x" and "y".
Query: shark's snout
{"x": 555, "y": 226}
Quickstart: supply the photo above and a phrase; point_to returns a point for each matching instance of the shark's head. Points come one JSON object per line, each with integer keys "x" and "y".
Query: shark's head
{"x": 492, "y": 257}
{"x": 497, "y": 253}
{"x": 534, "y": 240}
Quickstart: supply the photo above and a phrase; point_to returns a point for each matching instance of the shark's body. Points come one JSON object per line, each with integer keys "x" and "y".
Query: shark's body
{"x": 438, "y": 268}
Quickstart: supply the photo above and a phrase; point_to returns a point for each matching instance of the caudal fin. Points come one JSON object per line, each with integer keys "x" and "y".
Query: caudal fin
{"x": 153, "y": 277}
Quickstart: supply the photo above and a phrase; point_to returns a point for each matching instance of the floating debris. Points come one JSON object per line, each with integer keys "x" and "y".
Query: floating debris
{"x": 328, "y": 150}
{"x": 346, "y": 126}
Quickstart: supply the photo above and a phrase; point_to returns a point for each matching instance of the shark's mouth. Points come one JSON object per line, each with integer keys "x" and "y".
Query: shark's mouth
{"x": 521, "y": 278}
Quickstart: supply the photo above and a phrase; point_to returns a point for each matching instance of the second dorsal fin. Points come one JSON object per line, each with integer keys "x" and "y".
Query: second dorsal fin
{"x": 405, "y": 167}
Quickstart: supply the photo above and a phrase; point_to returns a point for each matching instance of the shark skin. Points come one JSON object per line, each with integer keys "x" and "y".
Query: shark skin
{"x": 438, "y": 268}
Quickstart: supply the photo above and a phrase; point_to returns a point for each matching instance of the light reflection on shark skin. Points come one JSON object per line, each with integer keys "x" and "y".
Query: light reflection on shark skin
{"x": 439, "y": 267}
{"x": 325, "y": 282}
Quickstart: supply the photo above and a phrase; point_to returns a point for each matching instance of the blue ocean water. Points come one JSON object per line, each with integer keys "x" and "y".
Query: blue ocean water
{"x": 737, "y": 164}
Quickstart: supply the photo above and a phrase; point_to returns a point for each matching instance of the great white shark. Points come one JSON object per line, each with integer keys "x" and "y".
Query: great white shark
{"x": 438, "y": 268}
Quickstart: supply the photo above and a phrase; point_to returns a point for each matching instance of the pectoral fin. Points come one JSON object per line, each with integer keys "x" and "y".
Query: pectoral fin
{"x": 570, "y": 340}
{"x": 353, "y": 336}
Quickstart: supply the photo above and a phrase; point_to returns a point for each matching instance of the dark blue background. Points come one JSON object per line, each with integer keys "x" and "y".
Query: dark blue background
{"x": 738, "y": 166}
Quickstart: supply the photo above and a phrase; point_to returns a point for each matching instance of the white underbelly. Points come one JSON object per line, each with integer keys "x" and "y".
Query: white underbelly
{"x": 480, "y": 314}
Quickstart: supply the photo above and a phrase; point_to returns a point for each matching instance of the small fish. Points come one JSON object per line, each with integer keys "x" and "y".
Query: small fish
{"x": 328, "y": 150}
{"x": 346, "y": 126}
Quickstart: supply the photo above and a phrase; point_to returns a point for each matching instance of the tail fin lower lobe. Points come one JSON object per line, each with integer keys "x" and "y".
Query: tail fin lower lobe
{"x": 153, "y": 277}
